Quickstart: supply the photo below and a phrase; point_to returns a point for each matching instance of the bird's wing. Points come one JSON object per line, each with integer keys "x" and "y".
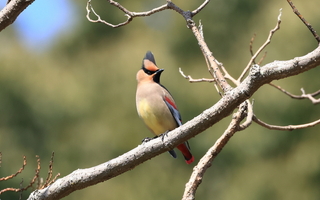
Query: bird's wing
{"x": 174, "y": 111}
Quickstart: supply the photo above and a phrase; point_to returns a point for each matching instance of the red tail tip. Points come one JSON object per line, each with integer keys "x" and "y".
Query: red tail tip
{"x": 190, "y": 160}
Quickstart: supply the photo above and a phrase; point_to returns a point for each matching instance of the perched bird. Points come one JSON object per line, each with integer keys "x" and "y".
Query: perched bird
{"x": 155, "y": 104}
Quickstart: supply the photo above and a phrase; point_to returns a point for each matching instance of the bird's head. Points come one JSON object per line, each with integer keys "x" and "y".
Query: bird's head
{"x": 149, "y": 70}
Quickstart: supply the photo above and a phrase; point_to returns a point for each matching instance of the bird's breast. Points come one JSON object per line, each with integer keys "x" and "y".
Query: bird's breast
{"x": 157, "y": 117}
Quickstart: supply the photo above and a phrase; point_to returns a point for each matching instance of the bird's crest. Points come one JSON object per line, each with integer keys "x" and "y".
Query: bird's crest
{"x": 149, "y": 64}
{"x": 149, "y": 56}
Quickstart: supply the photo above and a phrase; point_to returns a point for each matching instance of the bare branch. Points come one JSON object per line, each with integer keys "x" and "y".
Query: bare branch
{"x": 285, "y": 128}
{"x": 49, "y": 179}
{"x": 18, "y": 172}
{"x": 303, "y": 96}
{"x": 310, "y": 96}
{"x": 262, "y": 47}
{"x": 130, "y": 15}
{"x": 191, "y": 80}
{"x": 206, "y": 161}
{"x": 295, "y": 10}
{"x": 250, "y": 46}
{"x": 37, "y": 172}
{"x": 196, "y": 11}
{"x": 11, "y": 11}
{"x": 251, "y": 51}
{"x": 262, "y": 58}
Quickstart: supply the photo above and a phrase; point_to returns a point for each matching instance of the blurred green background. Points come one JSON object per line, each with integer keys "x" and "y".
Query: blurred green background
{"x": 77, "y": 98}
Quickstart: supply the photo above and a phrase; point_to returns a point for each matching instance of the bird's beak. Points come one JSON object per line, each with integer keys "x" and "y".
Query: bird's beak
{"x": 156, "y": 77}
{"x": 159, "y": 71}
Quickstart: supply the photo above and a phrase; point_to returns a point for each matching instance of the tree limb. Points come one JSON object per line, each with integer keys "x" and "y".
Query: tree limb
{"x": 11, "y": 11}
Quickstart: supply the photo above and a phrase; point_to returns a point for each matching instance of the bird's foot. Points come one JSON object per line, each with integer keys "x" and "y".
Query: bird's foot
{"x": 163, "y": 135}
{"x": 147, "y": 139}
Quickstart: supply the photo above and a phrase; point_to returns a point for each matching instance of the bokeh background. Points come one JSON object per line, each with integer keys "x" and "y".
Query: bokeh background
{"x": 68, "y": 86}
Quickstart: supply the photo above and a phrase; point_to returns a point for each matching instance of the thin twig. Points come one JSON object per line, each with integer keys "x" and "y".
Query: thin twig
{"x": 49, "y": 179}
{"x": 250, "y": 46}
{"x": 18, "y": 172}
{"x": 295, "y": 10}
{"x": 262, "y": 58}
{"x": 285, "y": 128}
{"x": 196, "y": 11}
{"x": 310, "y": 97}
{"x": 303, "y": 96}
{"x": 262, "y": 47}
{"x": 251, "y": 51}
{"x": 191, "y": 80}
{"x": 49, "y": 172}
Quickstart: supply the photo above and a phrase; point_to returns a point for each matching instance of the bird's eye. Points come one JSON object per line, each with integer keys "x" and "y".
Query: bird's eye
{"x": 149, "y": 72}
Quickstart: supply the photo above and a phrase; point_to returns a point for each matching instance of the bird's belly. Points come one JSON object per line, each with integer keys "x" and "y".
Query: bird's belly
{"x": 157, "y": 119}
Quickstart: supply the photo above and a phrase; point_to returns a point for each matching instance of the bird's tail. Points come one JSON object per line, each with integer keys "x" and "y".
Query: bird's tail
{"x": 184, "y": 148}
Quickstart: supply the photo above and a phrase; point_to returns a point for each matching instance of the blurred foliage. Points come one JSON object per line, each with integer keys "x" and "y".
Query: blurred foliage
{"x": 78, "y": 100}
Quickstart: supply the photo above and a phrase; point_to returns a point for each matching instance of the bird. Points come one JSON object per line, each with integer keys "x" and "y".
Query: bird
{"x": 155, "y": 105}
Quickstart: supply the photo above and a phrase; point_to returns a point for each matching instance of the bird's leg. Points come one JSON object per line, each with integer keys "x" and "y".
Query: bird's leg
{"x": 147, "y": 139}
{"x": 163, "y": 135}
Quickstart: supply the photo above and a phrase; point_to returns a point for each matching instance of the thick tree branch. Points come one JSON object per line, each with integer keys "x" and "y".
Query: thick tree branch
{"x": 11, "y": 11}
{"x": 258, "y": 76}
